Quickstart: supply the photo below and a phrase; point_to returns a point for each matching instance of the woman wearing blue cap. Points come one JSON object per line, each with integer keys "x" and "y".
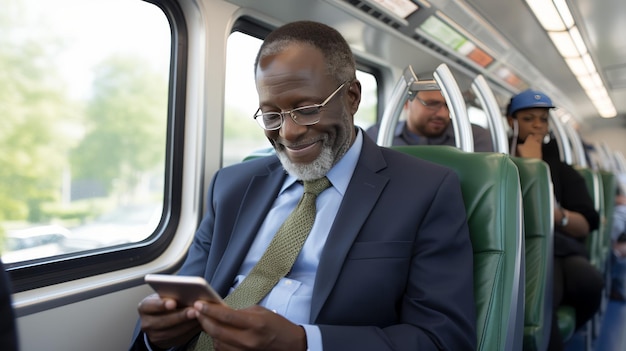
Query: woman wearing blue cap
{"x": 576, "y": 282}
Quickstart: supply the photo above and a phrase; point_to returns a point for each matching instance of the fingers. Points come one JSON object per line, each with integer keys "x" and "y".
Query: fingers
{"x": 217, "y": 321}
{"x": 538, "y": 138}
{"x": 240, "y": 328}
{"x": 165, "y": 320}
{"x": 174, "y": 335}
{"x": 251, "y": 328}
{"x": 211, "y": 313}
{"x": 223, "y": 314}
{"x": 533, "y": 138}
{"x": 531, "y": 147}
{"x": 164, "y": 323}
{"x": 154, "y": 304}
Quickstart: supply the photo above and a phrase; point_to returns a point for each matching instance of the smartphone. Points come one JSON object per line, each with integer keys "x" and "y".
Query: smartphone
{"x": 184, "y": 289}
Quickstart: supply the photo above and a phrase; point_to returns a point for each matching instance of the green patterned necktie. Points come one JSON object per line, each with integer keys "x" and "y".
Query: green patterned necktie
{"x": 278, "y": 258}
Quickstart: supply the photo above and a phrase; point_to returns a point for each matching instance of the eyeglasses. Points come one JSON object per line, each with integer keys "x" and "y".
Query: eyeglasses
{"x": 304, "y": 116}
{"x": 433, "y": 105}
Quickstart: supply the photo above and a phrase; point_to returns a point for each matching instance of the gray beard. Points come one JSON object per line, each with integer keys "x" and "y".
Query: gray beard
{"x": 314, "y": 170}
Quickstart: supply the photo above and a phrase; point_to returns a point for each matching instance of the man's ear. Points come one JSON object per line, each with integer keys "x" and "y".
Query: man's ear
{"x": 406, "y": 104}
{"x": 354, "y": 95}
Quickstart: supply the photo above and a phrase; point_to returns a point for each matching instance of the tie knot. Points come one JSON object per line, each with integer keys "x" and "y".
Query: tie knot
{"x": 316, "y": 186}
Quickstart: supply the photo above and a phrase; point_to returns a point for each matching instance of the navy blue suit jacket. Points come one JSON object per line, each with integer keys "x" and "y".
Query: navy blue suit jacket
{"x": 396, "y": 270}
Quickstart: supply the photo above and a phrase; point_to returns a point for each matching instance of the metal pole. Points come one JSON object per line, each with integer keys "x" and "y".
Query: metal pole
{"x": 494, "y": 117}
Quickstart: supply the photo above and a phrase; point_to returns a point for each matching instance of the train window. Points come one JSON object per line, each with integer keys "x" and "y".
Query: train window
{"x": 84, "y": 96}
{"x": 368, "y": 109}
{"x": 242, "y": 136}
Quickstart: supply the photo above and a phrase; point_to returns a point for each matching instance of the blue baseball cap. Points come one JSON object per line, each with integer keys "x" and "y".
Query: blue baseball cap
{"x": 528, "y": 99}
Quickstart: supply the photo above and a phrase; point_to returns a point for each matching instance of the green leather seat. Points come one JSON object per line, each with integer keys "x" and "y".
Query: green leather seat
{"x": 609, "y": 187}
{"x": 491, "y": 191}
{"x": 565, "y": 314}
{"x": 594, "y": 239}
{"x": 566, "y": 317}
{"x": 536, "y": 186}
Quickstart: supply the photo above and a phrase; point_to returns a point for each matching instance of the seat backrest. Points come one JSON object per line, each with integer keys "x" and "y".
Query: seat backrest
{"x": 492, "y": 196}
{"x": 538, "y": 204}
{"x": 260, "y": 153}
{"x": 594, "y": 239}
{"x": 609, "y": 186}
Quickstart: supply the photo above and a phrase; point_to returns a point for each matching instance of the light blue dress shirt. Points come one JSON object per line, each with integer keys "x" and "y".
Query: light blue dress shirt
{"x": 291, "y": 297}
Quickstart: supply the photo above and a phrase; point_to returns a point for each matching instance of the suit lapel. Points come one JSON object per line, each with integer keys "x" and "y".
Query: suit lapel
{"x": 361, "y": 196}
{"x": 255, "y": 204}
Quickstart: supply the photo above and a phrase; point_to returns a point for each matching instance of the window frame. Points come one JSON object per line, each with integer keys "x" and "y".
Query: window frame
{"x": 47, "y": 271}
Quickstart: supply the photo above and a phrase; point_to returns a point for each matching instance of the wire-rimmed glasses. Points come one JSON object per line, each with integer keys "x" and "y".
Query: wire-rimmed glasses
{"x": 433, "y": 105}
{"x": 304, "y": 116}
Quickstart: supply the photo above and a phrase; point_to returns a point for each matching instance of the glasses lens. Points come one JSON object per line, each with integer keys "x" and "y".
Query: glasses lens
{"x": 269, "y": 120}
{"x": 440, "y": 104}
{"x": 434, "y": 105}
{"x": 307, "y": 115}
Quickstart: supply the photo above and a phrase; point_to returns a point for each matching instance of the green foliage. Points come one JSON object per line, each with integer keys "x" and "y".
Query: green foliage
{"x": 126, "y": 124}
{"x": 116, "y": 138}
{"x": 32, "y": 139}
{"x": 241, "y": 125}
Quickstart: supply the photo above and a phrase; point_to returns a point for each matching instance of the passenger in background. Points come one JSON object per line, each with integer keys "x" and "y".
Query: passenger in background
{"x": 618, "y": 239}
{"x": 388, "y": 263}
{"x": 428, "y": 123}
{"x": 576, "y": 282}
{"x": 8, "y": 333}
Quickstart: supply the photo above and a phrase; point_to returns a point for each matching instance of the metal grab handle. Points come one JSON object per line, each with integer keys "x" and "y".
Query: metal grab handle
{"x": 494, "y": 117}
{"x": 406, "y": 89}
{"x": 393, "y": 108}
{"x": 577, "y": 146}
{"x": 565, "y": 149}
{"x": 456, "y": 105}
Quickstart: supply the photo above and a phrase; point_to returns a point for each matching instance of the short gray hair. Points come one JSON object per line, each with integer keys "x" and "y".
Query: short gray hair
{"x": 340, "y": 62}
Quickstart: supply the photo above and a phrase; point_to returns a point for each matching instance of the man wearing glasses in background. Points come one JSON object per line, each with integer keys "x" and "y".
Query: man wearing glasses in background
{"x": 428, "y": 123}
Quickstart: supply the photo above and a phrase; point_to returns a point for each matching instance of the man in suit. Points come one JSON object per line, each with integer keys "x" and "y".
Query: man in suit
{"x": 388, "y": 262}
{"x": 428, "y": 123}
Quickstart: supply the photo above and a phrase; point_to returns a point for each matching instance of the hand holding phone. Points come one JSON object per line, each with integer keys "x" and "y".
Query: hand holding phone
{"x": 184, "y": 289}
